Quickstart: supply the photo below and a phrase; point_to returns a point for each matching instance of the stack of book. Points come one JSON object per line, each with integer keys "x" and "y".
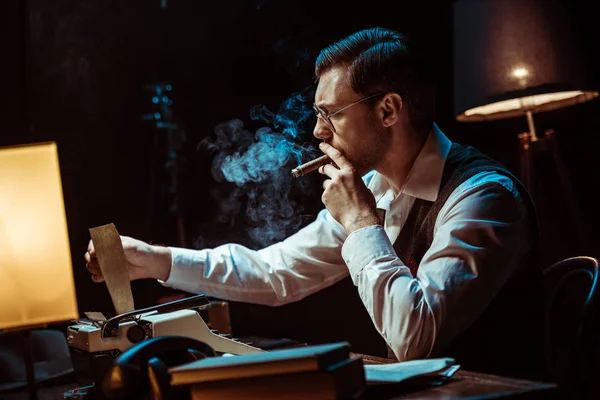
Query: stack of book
{"x": 325, "y": 371}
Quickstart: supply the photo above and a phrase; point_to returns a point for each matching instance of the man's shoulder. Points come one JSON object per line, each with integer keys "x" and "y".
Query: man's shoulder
{"x": 491, "y": 177}
{"x": 473, "y": 173}
{"x": 466, "y": 162}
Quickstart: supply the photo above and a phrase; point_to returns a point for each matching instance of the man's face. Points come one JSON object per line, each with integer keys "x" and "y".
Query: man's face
{"x": 359, "y": 133}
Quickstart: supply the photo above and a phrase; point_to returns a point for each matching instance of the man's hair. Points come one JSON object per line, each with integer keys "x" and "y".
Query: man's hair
{"x": 384, "y": 60}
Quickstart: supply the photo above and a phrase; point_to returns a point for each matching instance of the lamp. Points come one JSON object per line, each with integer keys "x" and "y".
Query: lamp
{"x": 515, "y": 58}
{"x": 36, "y": 277}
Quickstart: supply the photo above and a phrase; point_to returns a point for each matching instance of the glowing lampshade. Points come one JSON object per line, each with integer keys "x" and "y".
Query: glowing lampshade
{"x": 36, "y": 276}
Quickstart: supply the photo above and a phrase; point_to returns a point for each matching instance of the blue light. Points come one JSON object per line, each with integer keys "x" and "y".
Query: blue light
{"x": 157, "y": 115}
{"x": 165, "y": 99}
{"x": 168, "y": 87}
{"x": 155, "y": 100}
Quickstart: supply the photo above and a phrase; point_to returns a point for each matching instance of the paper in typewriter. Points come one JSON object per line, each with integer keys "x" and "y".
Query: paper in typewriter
{"x": 113, "y": 264}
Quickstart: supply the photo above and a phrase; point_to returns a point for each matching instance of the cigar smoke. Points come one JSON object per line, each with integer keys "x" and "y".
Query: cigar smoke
{"x": 259, "y": 165}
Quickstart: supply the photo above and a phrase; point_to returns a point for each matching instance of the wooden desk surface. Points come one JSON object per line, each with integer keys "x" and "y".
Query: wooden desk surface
{"x": 463, "y": 385}
{"x": 473, "y": 385}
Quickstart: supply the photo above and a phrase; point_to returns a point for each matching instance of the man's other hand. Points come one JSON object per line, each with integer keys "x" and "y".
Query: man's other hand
{"x": 143, "y": 260}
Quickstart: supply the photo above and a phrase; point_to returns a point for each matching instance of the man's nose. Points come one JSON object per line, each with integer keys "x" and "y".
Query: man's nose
{"x": 322, "y": 130}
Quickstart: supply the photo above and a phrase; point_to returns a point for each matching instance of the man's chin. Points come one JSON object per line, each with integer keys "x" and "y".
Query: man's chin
{"x": 362, "y": 170}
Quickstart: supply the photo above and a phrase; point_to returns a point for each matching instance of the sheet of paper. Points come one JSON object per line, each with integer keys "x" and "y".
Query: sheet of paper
{"x": 400, "y": 371}
{"x": 111, "y": 257}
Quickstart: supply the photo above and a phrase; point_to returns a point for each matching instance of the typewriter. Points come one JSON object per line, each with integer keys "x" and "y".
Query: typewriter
{"x": 96, "y": 341}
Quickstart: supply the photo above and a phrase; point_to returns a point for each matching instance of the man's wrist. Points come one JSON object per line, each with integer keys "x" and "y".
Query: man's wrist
{"x": 164, "y": 260}
{"x": 361, "y": 221}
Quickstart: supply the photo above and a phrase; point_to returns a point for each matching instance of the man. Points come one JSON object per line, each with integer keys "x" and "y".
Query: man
{"x": 436, "y": 238}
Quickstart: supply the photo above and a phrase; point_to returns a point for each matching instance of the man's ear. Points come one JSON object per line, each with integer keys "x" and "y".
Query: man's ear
{"x": 391, "y": 106}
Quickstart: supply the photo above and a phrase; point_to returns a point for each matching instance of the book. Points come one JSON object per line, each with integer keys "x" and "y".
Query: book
{"x": 342, "y": 381}
{"x": 406, "y": 370}
{"x": 275, "y": 362}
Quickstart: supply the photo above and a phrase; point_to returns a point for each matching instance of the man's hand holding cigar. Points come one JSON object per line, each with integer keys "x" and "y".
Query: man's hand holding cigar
{"x": 346, "y": 196}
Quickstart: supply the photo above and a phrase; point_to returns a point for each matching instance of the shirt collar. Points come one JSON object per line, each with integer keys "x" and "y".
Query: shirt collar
{"x": 425, "y": 175}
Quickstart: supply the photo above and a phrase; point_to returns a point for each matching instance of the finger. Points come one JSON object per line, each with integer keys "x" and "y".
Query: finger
{"x": 328, "y": 170}
{"x": 90, "y": 257}
{"x": 93, "y": 267}
{"x": 91, "y": 248}
{"x": 326, "y": 183}
{"x": 98, "y": 278}
{"x": 335, "y": 155}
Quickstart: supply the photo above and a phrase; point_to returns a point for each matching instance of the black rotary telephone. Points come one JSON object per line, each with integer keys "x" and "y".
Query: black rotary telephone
{"x": 141, "y": 372}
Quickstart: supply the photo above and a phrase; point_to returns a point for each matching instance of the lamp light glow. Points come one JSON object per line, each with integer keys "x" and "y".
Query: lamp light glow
{"x": 520, "y": 72}
{"x": 536, "y": 103}
{"x": 36, "y": 276}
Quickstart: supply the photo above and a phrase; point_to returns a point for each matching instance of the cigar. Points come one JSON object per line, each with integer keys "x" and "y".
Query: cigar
{"x": 310, "y": 166}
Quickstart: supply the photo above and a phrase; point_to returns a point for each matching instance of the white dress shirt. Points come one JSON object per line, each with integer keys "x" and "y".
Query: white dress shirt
{"x": 480, "y": 236}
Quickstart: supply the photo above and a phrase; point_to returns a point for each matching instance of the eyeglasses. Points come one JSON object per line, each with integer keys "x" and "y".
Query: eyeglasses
{"x": 325, "y": 116}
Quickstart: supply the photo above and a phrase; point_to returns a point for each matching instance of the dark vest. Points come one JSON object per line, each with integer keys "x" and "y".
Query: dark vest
{"x": 507, "y": 338}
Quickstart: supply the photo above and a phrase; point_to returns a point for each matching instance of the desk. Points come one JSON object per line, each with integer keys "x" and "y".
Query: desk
{"x": 44, "y": 393}
{"x": 473, "y": 385}
{"x": 463, "y": 385}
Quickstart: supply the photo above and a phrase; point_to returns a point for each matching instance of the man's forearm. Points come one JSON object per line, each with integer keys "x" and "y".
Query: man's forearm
{"x": 271, "y": 276}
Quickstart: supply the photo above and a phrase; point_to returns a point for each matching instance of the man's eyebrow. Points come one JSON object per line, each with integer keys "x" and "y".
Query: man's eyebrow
{"x": 324, "y": 105}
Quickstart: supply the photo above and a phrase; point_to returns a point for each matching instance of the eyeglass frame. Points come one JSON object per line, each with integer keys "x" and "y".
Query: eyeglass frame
{"x": 325, "y": 116}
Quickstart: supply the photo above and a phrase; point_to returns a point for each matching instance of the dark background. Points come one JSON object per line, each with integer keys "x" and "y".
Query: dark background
{"x": 75, "y": 73}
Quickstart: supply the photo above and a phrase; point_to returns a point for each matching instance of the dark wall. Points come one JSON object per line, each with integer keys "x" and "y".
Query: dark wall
{"x": 12, "y": 43}
{"x": 89, "y": 61}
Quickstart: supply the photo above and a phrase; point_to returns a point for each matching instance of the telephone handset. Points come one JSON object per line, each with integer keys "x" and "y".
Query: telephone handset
{"x": 141, "y": 372}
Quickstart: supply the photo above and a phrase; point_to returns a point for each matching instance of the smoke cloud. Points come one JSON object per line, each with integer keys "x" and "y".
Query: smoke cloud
{"x": 259, "y": 165}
